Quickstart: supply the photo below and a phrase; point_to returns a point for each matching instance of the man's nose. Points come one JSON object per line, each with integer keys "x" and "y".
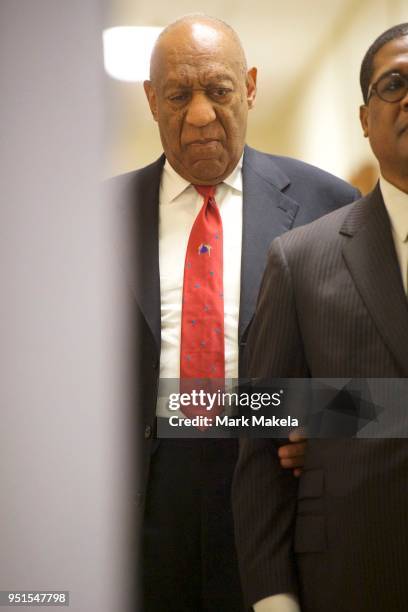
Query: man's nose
{"x": 200, "y": 110}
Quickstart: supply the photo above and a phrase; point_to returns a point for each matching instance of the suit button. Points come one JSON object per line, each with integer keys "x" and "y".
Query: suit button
{"x": 148, "y": 432}
{"x": 155, "y": 364}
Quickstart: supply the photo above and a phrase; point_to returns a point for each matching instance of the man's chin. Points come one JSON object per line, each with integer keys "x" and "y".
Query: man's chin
{"x": 203, "y": 171}
{"x": 207, "y": 171}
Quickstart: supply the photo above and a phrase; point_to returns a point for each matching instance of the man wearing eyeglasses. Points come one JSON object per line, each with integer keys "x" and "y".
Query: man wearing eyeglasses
{"x": 334, "y": 300}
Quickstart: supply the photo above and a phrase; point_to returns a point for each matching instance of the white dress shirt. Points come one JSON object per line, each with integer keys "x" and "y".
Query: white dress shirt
{"x": 396, "y": 203}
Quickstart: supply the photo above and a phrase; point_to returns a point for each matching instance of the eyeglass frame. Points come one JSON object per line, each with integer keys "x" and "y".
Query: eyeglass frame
{"x": 373, "y": 87}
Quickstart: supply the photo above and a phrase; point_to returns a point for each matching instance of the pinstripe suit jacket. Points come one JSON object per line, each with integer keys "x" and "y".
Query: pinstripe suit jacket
{"x": 331, "y": 304}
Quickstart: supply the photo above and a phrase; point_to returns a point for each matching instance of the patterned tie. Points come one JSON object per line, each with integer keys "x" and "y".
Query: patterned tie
{"x": 202, "y": 353}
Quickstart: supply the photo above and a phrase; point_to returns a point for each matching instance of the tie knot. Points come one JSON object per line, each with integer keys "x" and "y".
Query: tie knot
{"x": 207, "y": 191}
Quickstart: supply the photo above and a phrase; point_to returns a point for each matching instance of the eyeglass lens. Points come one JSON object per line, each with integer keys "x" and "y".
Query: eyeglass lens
{"x": 392, "y": 87}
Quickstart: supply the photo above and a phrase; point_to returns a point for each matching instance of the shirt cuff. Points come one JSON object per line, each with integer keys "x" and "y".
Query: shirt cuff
{"x": 284, "y": 602}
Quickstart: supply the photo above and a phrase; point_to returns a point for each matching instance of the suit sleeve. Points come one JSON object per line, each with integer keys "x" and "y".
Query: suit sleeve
{"x": 264, "y": 494}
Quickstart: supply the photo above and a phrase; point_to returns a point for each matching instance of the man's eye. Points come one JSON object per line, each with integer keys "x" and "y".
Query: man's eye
{"x": 179, "y": 97}
{"x": 219, "y": 92}
{"x": 394, "y": 84}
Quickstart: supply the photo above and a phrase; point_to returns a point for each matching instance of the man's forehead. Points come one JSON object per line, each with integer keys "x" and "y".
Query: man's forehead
{"x": 188, "y": 73}
{"x": 392, "y": 56}
{"x": 191, "y": 58}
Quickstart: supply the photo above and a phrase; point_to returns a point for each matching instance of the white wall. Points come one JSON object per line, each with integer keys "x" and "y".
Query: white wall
{"x": 318, "y": 121}
{"x": 63, "y": 464}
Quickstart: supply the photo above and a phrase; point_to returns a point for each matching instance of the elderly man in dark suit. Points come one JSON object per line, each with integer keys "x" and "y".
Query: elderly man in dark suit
{"x": 207, "y": 199}
{"x": 334, "y": 304}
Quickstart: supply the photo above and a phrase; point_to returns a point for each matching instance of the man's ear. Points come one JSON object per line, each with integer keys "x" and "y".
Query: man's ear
{"x": 251, "y": 87}
{"x": 151, "y": 98}
{"x": 364, "y": 119}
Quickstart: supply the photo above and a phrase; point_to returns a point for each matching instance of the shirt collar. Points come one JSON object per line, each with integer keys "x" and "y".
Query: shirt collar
{"x": 234, "y": 179}
{"x": 396, "y": 203}
{"x": 174, "y": 185}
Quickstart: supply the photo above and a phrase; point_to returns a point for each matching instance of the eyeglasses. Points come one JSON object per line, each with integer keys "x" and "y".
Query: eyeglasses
{"x": 390, "y": 87}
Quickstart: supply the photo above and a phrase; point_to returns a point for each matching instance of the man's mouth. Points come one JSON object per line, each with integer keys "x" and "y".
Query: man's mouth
{"x": 200, "y": 142}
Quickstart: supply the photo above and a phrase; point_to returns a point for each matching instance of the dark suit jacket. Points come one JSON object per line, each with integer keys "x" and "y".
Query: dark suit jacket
{"x": 278, "y": 194}
{"x": 332, "y": 305}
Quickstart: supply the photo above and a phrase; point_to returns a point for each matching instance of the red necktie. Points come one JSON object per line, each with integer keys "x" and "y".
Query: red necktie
{"x": 202, "y": 353}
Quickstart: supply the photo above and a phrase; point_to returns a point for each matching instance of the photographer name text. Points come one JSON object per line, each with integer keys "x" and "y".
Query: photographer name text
{"x": 228, "y": 421}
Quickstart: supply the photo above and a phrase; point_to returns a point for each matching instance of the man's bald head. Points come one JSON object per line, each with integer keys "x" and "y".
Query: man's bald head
{"x": 200, "y": 28}
{"x": 199, "y": 93}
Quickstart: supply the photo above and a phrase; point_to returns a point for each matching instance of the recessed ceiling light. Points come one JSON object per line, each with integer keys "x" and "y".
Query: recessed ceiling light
{"x": 127, "y": 51}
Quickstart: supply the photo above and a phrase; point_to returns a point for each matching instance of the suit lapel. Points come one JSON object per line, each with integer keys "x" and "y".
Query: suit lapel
{"x": 142, "y": 230}
{"x": 267, "y": 213}
{"x": 372, "y": 261}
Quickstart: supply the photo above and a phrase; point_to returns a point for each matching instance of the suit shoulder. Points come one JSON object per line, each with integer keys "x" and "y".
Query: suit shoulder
{"x": 324, "y": 231}
{"x": 307, "y": 177}
{"x": 302, "y": 171}
{"x": 133, "y": 188}
{"x": 141, "y": 175}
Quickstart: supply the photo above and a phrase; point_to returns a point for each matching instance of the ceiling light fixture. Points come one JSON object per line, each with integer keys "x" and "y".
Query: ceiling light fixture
{"x": 127, "y": 51}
